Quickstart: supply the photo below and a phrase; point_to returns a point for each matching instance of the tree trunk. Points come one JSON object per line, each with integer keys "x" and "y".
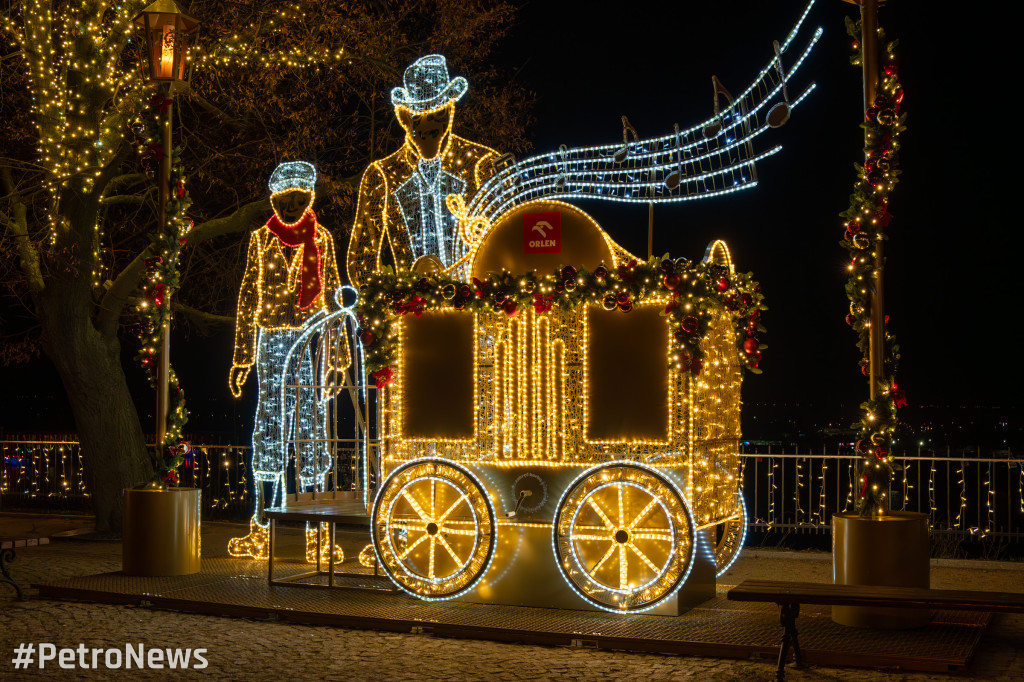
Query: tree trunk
{"x": 114, "y": 453}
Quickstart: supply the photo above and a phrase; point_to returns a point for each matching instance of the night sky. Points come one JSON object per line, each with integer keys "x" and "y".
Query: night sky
{"x": 951, "y": 256}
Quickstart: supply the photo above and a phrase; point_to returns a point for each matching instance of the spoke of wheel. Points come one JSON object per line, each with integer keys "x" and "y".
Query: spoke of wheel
{"x": 450, "y": 509}
{"x": 410, "y": 524}
{"x": 611, "y": 550}
{"x": 461, "y": 531}
{"x": 643, "y": 512}
{"x": 413, "y": 546}
{"x": 433, "y": 550}
{"x": 623, "y": 568}
{"x": 643, "y": 558}
{"x": 600, "y": 512}
{"x": 433, "y": 497}
{"x": 448, "y": 548}
{"x": 644, "y": 534}
{"x": 622, "y": 511}
{"x": 415, "y": 505}
{"x": 606, "y": 538}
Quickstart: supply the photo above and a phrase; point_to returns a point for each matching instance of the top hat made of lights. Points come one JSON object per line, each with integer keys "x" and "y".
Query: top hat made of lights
{"x": 167, "y": 33}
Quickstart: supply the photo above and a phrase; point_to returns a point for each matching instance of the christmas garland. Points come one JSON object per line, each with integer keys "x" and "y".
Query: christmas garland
{"x": 162, "y": 280}
{"x": 696, "y": 291}
{"x": 864, "y": 228}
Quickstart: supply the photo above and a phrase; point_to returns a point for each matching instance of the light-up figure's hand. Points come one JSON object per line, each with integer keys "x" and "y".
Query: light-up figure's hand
{"x": 237, "y": 379}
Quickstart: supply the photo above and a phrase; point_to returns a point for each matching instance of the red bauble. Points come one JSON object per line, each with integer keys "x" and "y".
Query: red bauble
{"x": 695, "y": 366}
{"x": 366, "y": 338}
{"x": 465, "y": 291}
{"x": 722, "y": 284}
{"x": 689, "y": 324}
{"x": 850, "y": 319}
{"x": 499, "y": 296}
{"x": 865, "y": 370}
{"x": 750, "y": 346}
{"x": 680, "y": 335}
{"x": 671, "y": 281}
{"x": 423, "y": 284}
{"x": 747, "y": 300}
{"x": 601, "y": 272}
{"x": 622, "y": 297}
{"x": 568, "y": 272}
{"x": 667, "y": 265}
{"x": 459, "y": 304}
{"x": 891, "y": 69}
{"x": 510, "y": 307}
{"x": 881, "y": 452}
{"x": 625, "y": 307}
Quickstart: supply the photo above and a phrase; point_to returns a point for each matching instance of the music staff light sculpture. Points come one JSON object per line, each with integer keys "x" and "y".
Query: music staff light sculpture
{"x": 712, "y": 158}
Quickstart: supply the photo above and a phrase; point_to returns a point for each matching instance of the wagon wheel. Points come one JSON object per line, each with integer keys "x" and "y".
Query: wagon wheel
{"x": 624, "y": 537}
{"x": 433, "y": 528}
{"x": 730, "y": 536}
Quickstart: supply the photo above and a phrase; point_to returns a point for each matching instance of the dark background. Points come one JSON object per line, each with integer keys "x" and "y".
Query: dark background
{"x": 952, "y": 257}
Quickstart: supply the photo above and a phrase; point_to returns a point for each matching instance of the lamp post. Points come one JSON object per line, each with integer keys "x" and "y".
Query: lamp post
{"x": 165, "y": 32}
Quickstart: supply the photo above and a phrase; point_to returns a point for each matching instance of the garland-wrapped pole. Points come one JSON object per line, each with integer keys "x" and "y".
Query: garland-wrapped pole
{"x": 866, "y": 221}
{"x": 164, "y": 361}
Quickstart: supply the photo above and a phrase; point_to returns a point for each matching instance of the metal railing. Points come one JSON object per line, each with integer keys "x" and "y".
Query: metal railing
{"x": 964, "y": 497}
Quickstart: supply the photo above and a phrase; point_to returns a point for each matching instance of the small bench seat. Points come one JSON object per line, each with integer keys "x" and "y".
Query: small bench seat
{"x": 790, "y": 595}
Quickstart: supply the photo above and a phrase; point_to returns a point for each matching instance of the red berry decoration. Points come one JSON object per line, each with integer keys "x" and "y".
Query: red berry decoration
{"x": 671, "y": 281}
{"x": 750, "y": 346}
{"x": 689, "y": 324}
{"x": 722, "y": 285}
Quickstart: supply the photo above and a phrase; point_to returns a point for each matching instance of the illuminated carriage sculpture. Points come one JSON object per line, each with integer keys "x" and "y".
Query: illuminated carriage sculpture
{"x": 530, "y": 446}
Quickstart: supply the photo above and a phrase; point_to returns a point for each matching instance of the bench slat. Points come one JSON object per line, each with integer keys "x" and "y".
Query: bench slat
{"x": 873, "y": 595}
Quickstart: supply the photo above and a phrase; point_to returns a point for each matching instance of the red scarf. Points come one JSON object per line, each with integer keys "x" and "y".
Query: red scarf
{"x": 302, "y": 233}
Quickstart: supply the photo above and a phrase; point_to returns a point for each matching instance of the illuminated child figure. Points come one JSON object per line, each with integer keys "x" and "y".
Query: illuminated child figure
{"x": 402, "y": 197}
{"x": 290, "y": 274}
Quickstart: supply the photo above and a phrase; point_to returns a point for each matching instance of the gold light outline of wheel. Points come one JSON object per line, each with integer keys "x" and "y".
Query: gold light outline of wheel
{"x": 734, "y": 533}
{"x": 627, "y": 478}
{"x": 432, "y": 528}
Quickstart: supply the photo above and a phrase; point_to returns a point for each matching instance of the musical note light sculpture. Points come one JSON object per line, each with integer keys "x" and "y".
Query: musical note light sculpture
{"x": 713, "y": 158}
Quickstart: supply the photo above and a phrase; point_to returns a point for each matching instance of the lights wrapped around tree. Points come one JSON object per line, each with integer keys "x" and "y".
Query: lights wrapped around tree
{"x": 865, "y": 222}
{"x": 693, "y": 290}
{"x": 162, "y": 280}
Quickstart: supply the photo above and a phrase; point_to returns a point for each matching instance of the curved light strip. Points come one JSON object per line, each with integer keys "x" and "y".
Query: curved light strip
{"x": 743, "y": 535}
{"x": 506, "y": 188}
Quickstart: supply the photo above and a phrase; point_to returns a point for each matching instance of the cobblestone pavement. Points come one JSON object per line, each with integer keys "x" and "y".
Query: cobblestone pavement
{"x": 256, "y": 650}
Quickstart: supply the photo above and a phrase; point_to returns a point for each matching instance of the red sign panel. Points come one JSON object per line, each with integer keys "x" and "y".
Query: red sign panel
{"x": 542, "y": 232}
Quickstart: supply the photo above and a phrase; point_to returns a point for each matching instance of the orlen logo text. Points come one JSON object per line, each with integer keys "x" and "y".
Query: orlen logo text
{"x": 542, "y": 232}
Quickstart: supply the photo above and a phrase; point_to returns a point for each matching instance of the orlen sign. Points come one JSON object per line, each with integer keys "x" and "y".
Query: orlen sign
{"x": 542, "y": 232}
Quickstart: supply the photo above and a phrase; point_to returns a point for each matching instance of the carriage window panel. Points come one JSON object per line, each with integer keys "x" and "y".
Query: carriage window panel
{"x": 437, "y": 375}
{"x": 627, "y": 375}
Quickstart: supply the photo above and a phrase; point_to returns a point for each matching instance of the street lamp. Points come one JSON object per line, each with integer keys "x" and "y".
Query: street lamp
{"x": 166, "y": 32}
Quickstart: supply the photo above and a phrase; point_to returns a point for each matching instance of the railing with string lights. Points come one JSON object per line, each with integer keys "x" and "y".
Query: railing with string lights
{"x": 964, "y": 496}
{"x": 47, "y": 476}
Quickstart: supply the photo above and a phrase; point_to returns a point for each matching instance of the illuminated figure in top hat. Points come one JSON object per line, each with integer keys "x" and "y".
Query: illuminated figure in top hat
{"x": 402, "y": 198}
{"x": 290, "y": 275}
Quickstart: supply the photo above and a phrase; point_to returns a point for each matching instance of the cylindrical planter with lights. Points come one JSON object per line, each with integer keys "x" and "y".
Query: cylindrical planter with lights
{"x": 888, "y": 550}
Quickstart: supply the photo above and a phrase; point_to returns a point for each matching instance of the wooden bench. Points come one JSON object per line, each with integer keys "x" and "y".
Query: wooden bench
{"x": 789, "y": 596}
{"x": 351, "y": 514}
